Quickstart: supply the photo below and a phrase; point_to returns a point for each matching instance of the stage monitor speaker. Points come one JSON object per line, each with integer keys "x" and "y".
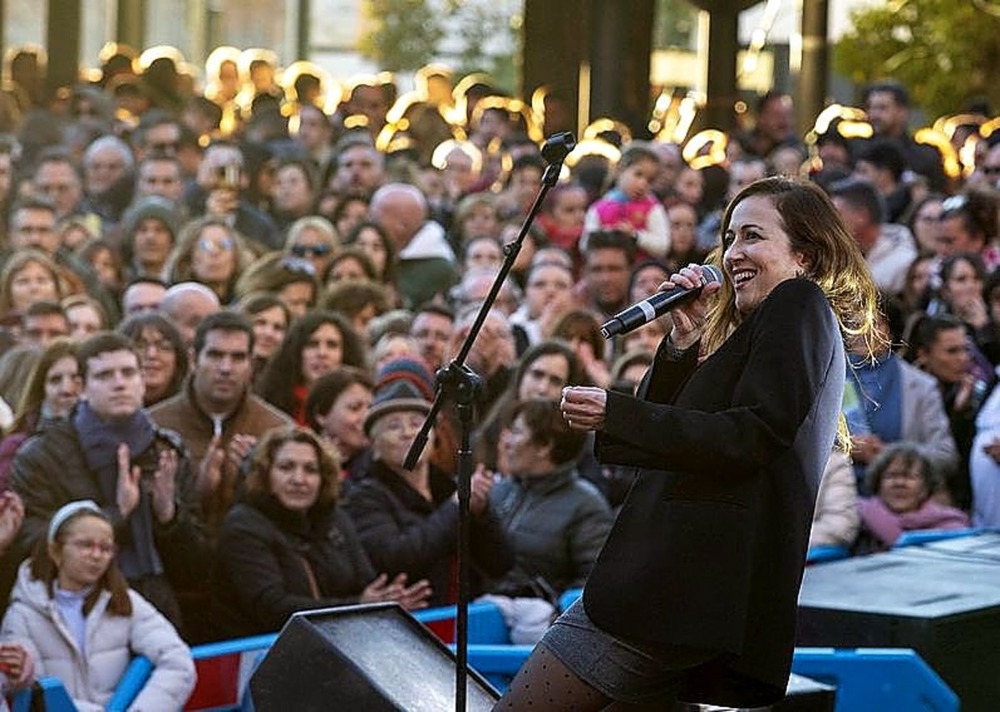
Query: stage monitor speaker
{"x": 944, "y": 606}
{"x": 371, "y": 657}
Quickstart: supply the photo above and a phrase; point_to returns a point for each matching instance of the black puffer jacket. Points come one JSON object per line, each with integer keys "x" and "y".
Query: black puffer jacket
{"x": 50, "y": 470}
{"x": 272, "y": 562}
{"x": 557, "y": 525}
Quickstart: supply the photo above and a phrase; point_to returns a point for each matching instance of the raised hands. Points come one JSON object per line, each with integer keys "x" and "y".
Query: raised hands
{"x": 162, "y": 486}
{"x": 129, "y": 476}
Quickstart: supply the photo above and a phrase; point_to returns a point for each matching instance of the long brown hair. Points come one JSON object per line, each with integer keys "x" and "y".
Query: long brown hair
{"x": 44, "y": 569}
{"x": 33, "y": 394}
{"x": 834, "y": 261}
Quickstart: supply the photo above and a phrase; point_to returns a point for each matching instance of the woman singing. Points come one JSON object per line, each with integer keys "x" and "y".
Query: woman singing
{"x": 694, "y": 594}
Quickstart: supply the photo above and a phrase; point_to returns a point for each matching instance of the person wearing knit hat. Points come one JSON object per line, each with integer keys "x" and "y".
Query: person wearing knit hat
{"x": 397, "y": 396}
{"x": 149, "y": 233}
{"x": 407, "y": 368}
{"x": 408, "y": 519}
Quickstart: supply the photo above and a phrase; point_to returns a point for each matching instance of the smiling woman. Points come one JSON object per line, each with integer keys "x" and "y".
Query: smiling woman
{"x": 903, "y": 481}
{"x": 316, "y": 344}
{"x": 730, "y": 429}
{"x": 289, "y": 547}
{"x": 164, "y": 357}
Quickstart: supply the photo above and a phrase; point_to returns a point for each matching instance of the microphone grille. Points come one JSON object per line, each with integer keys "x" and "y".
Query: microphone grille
{"x": 711, "y": 274}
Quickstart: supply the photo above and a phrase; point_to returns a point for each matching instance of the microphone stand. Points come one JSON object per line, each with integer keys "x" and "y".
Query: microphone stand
{"x": 460, "y": 384}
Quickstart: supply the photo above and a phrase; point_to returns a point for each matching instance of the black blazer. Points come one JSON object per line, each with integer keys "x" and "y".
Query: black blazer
{"x": 709, "y": 547}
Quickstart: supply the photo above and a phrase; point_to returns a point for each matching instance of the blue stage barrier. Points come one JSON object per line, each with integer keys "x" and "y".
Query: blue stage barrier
{"x": 926, "y": 536}
{"x": 877, "y": 679}
{"x": 54, "y": 697}
{"x": 819, "y": 554}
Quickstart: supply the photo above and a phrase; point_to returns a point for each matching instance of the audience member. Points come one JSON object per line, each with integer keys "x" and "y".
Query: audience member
{"x": 288, "y": 546}
{"x": 902, "y": 482}
{"x": 51, "y": 391}
{"x": 888, "y": 248}
{"x": 631, "y": 207}
{"x": 836, "y": 519}
{"x": 216, "y": 415}
{"x": 336, "y": 409}
{"x": 555, "y": 521}
{"x": 109, "y": 450}
{"x": 163, "y": 355}
{"x": 408, "y": 519}
{"x": 74, "y": 612}
{"x": 316, "y": 345}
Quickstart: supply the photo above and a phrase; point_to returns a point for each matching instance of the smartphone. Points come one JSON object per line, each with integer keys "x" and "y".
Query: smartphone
{"x": 229, "y": 176}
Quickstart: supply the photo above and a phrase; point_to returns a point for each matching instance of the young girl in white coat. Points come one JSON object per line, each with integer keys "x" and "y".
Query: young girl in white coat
{"x": 76, "y": 615}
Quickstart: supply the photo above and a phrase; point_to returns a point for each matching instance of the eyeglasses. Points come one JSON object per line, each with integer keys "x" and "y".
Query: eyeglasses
{"x": 105, "y": 548}
{"x": 223, "y": 245}
{"x": 990, "y": 170}
{"x": 314, "y": 250}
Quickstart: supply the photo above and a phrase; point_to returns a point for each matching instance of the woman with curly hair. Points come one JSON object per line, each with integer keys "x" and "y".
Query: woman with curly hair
{"x": 316, "y": 344}
{"x": 288, "y": 546}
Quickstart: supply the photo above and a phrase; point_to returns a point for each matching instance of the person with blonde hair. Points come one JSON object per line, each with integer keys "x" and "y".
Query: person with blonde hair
{"x": 312, "y": 238}
{"x": 211, "y": 252}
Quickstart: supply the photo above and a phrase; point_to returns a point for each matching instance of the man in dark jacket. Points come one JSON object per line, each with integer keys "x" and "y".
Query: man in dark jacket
{"x": 110, "y": 451}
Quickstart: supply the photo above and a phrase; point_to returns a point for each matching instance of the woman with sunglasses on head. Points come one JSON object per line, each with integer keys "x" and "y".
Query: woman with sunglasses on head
{"x": 291, "y": 279}
{"x": 211, "y": 252}
{"x": 312, "y": 238}
{"x": 80, "y": 622}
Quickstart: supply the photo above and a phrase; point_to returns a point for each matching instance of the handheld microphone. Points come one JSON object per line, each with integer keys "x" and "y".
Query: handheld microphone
{"x": 657, "y": 305}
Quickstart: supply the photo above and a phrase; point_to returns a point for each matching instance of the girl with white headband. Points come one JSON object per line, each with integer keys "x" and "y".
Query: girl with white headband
{"x": 77, "y": 617}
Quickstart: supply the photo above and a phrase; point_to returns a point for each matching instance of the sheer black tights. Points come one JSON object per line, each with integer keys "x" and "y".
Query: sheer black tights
{"x": 545, "y": 684}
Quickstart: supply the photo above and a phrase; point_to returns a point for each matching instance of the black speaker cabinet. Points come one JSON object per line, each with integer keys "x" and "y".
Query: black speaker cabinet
{"x": 372, "y": 657}
{"x": 945, "y": 606}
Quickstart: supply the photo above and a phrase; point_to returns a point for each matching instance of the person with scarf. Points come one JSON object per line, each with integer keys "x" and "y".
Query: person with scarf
{"x": 110, "y": 451}
{"x": 904, "y": 482}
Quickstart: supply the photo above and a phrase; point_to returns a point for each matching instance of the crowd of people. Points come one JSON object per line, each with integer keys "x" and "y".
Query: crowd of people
{"x": 223, "y": 306}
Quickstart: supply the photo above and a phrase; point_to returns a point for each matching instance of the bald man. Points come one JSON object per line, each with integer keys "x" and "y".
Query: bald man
{"x": 186, "y": 304}
{"x": 427, "y": 264}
